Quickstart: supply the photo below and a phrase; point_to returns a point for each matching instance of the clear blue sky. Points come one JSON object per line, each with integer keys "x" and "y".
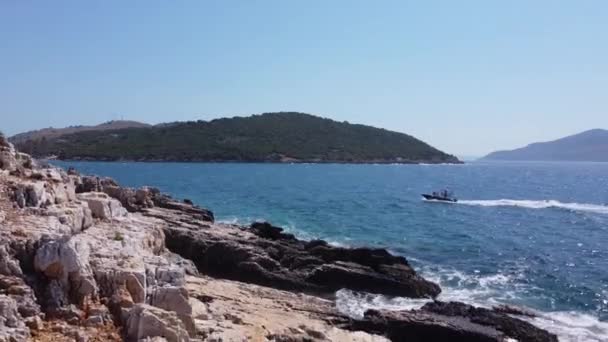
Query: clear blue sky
{"x": 468, "y": 77}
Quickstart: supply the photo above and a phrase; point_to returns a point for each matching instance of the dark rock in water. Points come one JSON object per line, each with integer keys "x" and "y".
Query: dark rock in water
{"x": 396, "y": 281}
{"x": 418, "y": 326}
{"x": 264, "y": 255}
{"x": 187, "y": 201}
{"x": 452, "y": 322}
{"x": 267, "y": 231}
{"x": 512, "y": 310}
{"x": 194, "y": 211}
{"x": 511, "y": 327}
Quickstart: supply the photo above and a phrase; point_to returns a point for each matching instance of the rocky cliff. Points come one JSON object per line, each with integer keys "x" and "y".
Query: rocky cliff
{"x": 83, "y": 259}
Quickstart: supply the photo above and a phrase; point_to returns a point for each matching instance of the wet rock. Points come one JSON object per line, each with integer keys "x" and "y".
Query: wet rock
{"x": 267, "y": 231}
{"x": 453, "y": 321}
{"x": 511, "y": 327}
{"x": 512, "y": 310}
{"x": 356, "y": 277}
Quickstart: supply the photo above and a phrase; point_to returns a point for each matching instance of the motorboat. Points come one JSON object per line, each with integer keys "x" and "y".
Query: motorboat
{"x": 442, "y": 196}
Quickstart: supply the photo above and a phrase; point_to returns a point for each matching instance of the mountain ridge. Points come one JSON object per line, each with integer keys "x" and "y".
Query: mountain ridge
{"x": 590, "y": 145}
{"x": 52, "y": 132}
{"x": 268, "y": 137}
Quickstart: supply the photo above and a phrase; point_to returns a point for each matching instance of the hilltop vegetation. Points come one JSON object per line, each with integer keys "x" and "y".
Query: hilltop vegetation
{"x": 51, "y": 132}
{"x": 280, "y": 137}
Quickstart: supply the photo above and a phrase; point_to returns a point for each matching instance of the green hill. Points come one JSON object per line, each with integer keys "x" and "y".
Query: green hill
{"x": 274, "y": 137}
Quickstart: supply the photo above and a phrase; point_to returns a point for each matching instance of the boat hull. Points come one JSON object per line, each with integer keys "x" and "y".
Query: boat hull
{"x": 438, "y": 198}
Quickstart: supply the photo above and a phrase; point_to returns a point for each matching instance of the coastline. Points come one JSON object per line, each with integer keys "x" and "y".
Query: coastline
{"x": 63, "y": 211}
{"x": 294, "y": 161}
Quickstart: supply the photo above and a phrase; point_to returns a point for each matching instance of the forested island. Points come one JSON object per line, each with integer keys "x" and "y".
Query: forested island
{"x": 269, "y": 137}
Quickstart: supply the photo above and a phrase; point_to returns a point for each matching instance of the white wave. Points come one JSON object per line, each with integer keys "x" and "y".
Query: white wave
{"x": 572, "y": 326}
{"x": 543, "y": 204}
{"x": 354, "y": 304}
{"x": 482, "y": 291}
{"x": 568, "y": 326}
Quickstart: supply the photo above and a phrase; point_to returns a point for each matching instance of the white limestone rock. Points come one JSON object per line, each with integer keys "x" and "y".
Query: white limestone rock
{"x": 12, "y": 325}
{"x": 145, "y": 321}
{"x": 103, "y": 206}
{"x": 68, "y": 263}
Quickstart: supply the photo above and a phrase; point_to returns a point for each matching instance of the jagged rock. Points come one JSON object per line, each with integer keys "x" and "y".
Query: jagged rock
{"x": 511, "y": 327}
{"x": 66, "y": 263}
{"x": 194, "y": 211}
{"x": 34, "y": 323}
{"x": 147, "y": 321}
{"x": 75, "y": 214}
{"x": 102, "y": 206}
{"x": 172, "y": 298}
{"x": 8, "y": 265}
{"x": 12, "y": 325}
{"x": 512, "y": 310}
{"x": 94, "y": 184}
{"x": 31, "y": 194}
{"x": 439, "y": 321}
{"x": 266, "y": 256}
{"x": 267, "y": 231}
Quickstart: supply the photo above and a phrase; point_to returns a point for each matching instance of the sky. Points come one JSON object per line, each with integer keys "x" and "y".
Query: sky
{"x": 468, "y": 77}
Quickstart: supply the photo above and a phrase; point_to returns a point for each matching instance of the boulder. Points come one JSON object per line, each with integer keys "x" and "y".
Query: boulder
{"x": 66, "y": 264}
{"x": 77, "y": 215}
{"x": 102, "y": 206}
{"x": 31, "y": 194}
{"x": 175, "y": 299}
{"x": 145, "y": 321}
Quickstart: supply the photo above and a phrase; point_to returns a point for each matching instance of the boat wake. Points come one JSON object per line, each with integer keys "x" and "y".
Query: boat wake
{"x": 581, "y": 207}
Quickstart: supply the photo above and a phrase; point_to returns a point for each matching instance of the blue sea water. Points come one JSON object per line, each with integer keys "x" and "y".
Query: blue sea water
{"x": 531, "y": 234}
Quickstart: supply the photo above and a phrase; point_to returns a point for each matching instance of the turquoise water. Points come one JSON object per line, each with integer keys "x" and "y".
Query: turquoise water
{"x": 533, "y": 234}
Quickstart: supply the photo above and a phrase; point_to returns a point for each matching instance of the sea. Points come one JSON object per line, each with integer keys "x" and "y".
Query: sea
{"x": 531, "y": 234}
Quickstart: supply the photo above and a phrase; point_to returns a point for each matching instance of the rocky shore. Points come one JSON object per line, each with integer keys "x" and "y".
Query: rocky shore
{"x": 84, "y": 259}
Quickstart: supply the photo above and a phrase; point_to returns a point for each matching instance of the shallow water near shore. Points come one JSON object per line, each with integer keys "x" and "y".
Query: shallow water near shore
{"x": 531, "y": 234}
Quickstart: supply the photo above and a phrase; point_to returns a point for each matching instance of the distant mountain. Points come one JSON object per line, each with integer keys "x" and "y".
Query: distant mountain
{"x": 51, "y": 133}
{"x": 270, "y": 137}
{"x": 590, "y": 145}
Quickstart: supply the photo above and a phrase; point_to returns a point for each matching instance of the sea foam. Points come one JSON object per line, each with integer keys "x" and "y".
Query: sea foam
{"x": 482, "y": 291}
{"x": 543, "y": 204}
{"x": 568, "y": 326}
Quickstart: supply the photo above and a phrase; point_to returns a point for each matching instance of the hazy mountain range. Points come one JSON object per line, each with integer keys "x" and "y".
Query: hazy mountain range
{"x": 590, "y": 145}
